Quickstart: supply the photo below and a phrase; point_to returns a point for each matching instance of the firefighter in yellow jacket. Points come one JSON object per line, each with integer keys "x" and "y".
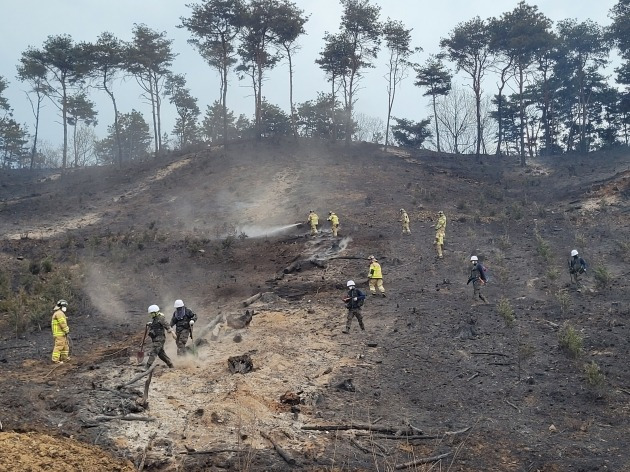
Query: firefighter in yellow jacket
{"x": 440, "y": 233}
{"x": 404, "y": 219}
{"x": 375, "y": 277}
{"x": 60, "y": 331}
{"x": 334, "y": 222}
{"x": 313, "y": 221}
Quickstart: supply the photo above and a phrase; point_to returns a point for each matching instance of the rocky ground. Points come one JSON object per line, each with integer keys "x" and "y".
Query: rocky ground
{"x": 536, "y": 380}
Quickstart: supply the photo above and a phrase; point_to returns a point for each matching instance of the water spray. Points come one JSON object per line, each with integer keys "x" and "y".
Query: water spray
{"x": 257, "y": 231}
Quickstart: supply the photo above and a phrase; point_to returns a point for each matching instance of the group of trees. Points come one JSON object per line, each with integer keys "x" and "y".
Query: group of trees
{"x": 529, "y": 87}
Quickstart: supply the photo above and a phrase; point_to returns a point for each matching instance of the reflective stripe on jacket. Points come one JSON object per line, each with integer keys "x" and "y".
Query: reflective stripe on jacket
{"x": 59, "y": 324}
{"x": 441, "y": 223}
{"x": 375, "y": 271}
{"x": 334, "y": 219}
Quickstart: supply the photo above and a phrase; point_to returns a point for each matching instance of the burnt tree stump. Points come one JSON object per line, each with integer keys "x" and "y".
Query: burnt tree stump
{"x": 240, "y": 364}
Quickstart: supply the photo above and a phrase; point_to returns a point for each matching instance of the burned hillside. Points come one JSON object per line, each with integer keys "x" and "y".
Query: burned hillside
{"x": 536, "y": 379}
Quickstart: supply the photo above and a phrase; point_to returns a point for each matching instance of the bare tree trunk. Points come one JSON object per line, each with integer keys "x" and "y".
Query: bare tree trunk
{"x": 521, "y": 115}
{"x": 34, "y": 150}
{"x": 437, "y": 128}
{"x": 293, "y": 120}
{"x": 64, "y": 117}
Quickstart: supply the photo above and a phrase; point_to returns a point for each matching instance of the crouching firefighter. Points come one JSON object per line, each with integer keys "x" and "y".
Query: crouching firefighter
{"x": 158, "y": 327}
{"x": 354, "y": 302}
{"x": 183, "y": 319}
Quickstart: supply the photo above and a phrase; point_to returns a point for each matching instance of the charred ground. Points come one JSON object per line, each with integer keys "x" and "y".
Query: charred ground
{"x": 201, "y": 227}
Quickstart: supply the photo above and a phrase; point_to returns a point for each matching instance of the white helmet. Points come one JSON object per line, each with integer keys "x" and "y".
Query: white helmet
{"x": 474, "y": 258}
{"x": 574, "y": 253}
{"x": 178, "y": 304}
{"x": 154, "y": 309}
{"x": 402, "y": 210}
{"x": 350, "y": 283}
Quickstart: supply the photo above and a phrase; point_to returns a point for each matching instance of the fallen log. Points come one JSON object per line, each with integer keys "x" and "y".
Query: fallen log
{"x": 206, "y": 329}
{"x": 138, "y": 377}
{"x": 124, "y": 418}
{"x": 414, "y": 436}
{"x": 24, "y": 346}
{"x": 360, "y": 426}
{"x": 145, "y": 394}
{"x": 489, "y": 354}
{"x": 318, "y": 263}
{"x": 294, "y": 266}
{"x": 348, "y": 257}
{"x": 252, "y": 299}
{"x": 286, "y": 456}
{"x": 424, "y": 460}
{"x": 208, "y": 451}
{"x": 365, "y": 449}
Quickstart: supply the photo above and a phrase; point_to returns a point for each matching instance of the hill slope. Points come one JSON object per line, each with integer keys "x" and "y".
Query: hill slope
{"x": 433, "y": 375}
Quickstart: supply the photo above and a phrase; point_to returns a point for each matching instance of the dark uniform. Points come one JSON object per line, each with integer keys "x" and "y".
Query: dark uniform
{"x": 354, "y": 302}
{"x": 157, "y": 332}
{"x": 577, "y": 267}
{"x": 478, "y": 278}
{"x": 181, "y": 319}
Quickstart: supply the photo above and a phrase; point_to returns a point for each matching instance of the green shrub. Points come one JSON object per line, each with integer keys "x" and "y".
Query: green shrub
{"x": 504, "y": 307}
{"x": 34, "y": 267}
{"x": 570, "y": 340}
{"x": 543, "y": 248}
{"x": 603, "y": 277}
{"x": 564, "y": 300}
{"x": 553, "y": 273}
{"x": 47, "y": 265}
{"x": 595, "y": 378}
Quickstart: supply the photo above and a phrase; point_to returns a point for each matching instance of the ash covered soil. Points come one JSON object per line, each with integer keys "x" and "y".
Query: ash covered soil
{"x": 435, "y": 375}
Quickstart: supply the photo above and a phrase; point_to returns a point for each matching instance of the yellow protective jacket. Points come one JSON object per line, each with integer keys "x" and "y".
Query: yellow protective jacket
{"x": 375, "y": 271}
{"x": 313, "y": 219}
{"x": 405, "y": 217}
{"x": 334, "y": 219}
{"x": 59, "y": 324}
{"x": 441, "y": 224}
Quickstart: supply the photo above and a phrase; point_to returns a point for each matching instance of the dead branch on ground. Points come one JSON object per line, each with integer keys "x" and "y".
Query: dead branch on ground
{"x": 124, "y": 418}
{"x": 285, "y": 455}
{"x": 207, "y": 451}
{"x": 24, "y": 346}
{"x": 252, "y": 299}
{"x": 369, "y": 427}
{"x": 414, "y": 436}
{"x": 138, "y": 377}
{"x": 365, "y": 449}
{"x": 145, "y": 395}
{"x": 489, "y": 354}
{"x": 424, "y": 460}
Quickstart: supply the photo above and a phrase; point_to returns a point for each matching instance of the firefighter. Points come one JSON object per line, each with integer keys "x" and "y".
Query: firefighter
{"x": 60, "y": 332}
{"x": 334, "y": 222}
{"x": 313, "y": 221}
{"x": 404, "y": 219}
{"x": 577, "y": 267}
{"x": 440, "y": 233}
{"x": 354, "y": 302}
{"x": 183, "y": 319}
{"x": 478, "y": 278}
{"x": 375, "y": 277}
{"x": 157, "y": 329}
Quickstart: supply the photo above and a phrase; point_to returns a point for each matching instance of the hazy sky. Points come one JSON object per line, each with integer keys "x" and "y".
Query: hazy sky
{"x": 29, "y": 22}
